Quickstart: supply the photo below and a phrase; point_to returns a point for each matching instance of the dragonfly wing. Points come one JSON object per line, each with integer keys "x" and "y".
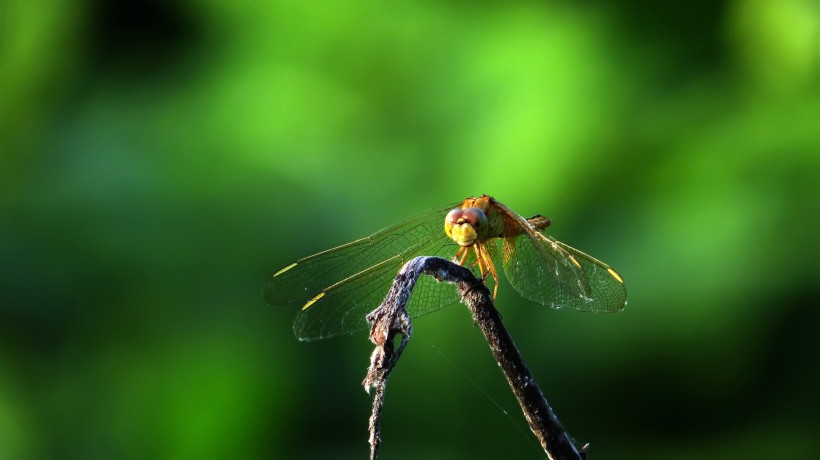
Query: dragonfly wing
{"x": 356, "y": 275}
{"x": 551, "y": 273}
{"x": 607, "y": 288}
{"x": 343, "y": 306}
{"x": 543, "y": 275}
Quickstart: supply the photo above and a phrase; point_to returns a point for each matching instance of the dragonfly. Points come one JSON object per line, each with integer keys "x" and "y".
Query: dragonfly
{"x": 338, "y": 287}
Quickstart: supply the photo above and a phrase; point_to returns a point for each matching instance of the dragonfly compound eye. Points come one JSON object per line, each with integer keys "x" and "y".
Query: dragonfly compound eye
{"x": 451, "y": 219}
{"x": 474, "y": 217}
{"x": 453, "y": 216}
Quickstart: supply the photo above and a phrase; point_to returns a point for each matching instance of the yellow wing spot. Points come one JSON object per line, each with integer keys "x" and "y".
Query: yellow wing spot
{"x": 313, "y": 300}
{"x": 574, "y": 261}
{"x": 615, "y": 275}
{"x": 284, "y": 269}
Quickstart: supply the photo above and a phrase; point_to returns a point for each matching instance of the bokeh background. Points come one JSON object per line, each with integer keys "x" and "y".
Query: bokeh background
{"x": 161, "y": 160}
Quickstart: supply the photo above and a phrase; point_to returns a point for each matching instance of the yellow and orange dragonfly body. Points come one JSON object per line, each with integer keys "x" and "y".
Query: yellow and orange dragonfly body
{"x": 338, "y": 287}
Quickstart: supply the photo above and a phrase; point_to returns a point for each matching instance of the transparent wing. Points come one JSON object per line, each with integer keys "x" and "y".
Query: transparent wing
{"x": 338, "y": 287}
{"x": 344, "y": 306}
{"x": 606, "y": 287}
{"x": 552, "y": 273}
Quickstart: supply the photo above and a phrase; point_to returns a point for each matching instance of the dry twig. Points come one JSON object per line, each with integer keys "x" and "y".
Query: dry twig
{"x": 391, "y": 318}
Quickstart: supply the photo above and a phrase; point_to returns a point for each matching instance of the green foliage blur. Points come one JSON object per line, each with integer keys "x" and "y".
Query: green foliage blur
{"x": 159, "y": 161}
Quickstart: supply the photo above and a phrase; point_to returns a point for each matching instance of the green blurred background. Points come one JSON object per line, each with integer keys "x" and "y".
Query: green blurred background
{"x": 161, "y": 160}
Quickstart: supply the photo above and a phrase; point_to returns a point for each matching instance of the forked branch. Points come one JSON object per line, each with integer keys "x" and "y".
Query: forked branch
{"x": 391, "y": 318}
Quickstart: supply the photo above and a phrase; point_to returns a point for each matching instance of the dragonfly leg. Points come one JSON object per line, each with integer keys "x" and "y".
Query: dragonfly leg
{"x": 485, "y": 263}
{"x": 476, "y": 262}
{"x": 478, "y": 259}
{"x": 491, "y": 270}
{"x": 466, "y": 252}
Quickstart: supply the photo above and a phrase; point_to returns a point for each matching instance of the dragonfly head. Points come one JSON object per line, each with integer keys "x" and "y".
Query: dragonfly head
{"x": 465, "y": 226}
